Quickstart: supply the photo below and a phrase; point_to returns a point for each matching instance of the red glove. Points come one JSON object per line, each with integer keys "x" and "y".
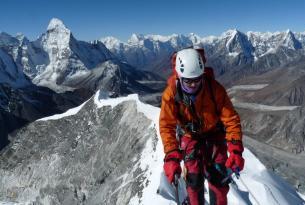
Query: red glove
{"x": 172, "y": 165}
{"x": 235, "y": 161}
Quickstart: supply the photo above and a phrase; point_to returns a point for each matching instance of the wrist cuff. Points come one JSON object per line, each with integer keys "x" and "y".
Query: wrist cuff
{"x": 235, "y": 147}
{"x": 174, "y": 155}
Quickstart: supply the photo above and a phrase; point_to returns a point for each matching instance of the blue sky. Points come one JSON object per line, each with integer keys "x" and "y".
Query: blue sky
{"x": 93, "y": 19}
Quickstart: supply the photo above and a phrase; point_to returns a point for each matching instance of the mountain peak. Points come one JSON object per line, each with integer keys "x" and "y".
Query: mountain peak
{"x": 56, "y": 24}
{"x": 111, "y": 42}
{"x": 288, "y": 31}
{"x": 57, "y": 35}
{"x": 231, "y": 32}
{"x": 110, "y": 39}
{"x": 135, "y": 38}
{"x": 289, "y": 35}
{"x": 237, "y": 42}
{"x": 290, "y": 41}
{"x": 20, "y": 36}
{"x": 194, "y": 38}
{"x": 6, "y": 39}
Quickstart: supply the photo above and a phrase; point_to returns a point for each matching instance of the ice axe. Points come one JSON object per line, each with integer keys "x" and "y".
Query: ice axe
{"x": 229, "y": 174}
{"x": 171, "y": 191}
{"x": 176, "y": 185}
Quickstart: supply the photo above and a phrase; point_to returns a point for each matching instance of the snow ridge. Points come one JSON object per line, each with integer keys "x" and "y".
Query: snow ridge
{"x": 261, "y": 186}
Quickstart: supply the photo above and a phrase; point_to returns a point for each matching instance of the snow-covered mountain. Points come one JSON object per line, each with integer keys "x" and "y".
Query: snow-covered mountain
{"x": 145, "y": 52}
{"x": 94, "y": 154}
{"x": 60, "y": 62}
{"x": 57, "y": 60}
{"x": 10, "y": 72}
{"x": 231, "y": 51}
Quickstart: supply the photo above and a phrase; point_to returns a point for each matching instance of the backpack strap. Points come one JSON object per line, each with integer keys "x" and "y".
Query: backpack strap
{"x": 193, "y": 126}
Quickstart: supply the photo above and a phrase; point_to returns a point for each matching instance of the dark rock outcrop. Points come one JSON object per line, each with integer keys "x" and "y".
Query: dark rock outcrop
{"x": 87, "y": 158}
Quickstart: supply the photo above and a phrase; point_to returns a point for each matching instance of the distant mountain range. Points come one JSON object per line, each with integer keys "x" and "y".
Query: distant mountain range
{"x": 232, "y": 54}
{"x": 60, "y": 62}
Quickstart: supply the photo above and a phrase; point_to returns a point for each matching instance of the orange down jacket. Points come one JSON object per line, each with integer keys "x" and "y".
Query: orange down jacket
{"x": 205, "y": 109}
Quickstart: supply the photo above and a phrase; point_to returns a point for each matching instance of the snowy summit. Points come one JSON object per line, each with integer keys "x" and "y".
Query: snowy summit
{"x": 56, "y": 24}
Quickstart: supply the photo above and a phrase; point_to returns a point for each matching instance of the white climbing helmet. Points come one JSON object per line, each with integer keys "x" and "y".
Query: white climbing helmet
{"x": 189, "y": 63}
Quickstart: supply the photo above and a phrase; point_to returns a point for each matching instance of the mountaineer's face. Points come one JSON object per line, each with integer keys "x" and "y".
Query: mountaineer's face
{"x": 191, "y": 85}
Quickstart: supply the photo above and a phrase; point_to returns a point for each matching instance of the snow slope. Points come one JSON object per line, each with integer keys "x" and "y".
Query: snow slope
{"x": 256, "y": 185}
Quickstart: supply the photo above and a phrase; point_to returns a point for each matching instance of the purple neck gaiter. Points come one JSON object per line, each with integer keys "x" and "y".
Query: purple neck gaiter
{"x": 189, "y": 90}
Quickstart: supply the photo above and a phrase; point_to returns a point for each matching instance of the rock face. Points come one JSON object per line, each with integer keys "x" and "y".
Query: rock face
{"x": 19, "y": 106}
{"x": 87, "y": 158}
{"x": 283, "y": 88}
{"x": 272, "y": 112}
{"x": 8, "y": 123}
{"x": 10, "y": 72}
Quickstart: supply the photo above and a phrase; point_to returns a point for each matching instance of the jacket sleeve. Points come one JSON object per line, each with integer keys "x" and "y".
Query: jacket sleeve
{"x": 228, "y": 115}
{"x": 168, "y": 121}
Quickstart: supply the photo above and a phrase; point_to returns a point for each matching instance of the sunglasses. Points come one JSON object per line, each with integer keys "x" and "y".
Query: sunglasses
{"x": 191, "y": 80}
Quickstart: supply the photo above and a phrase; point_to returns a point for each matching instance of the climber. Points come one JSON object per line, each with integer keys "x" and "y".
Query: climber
{"x": 198, "y": 125}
